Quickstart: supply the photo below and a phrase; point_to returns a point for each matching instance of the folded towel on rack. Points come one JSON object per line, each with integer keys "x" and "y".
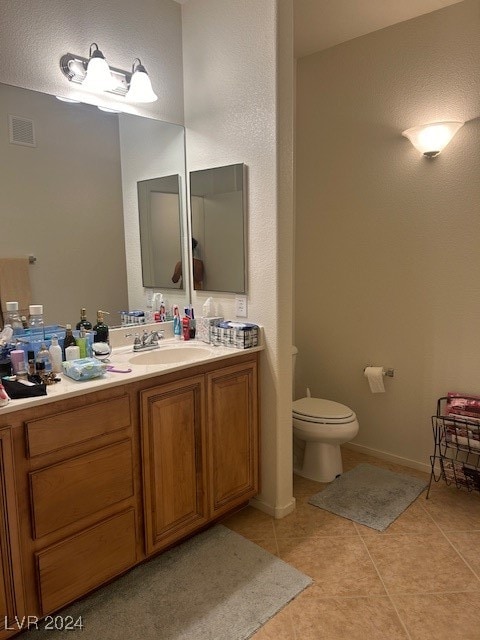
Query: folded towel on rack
{"x": 463, "y": 405}
{"x": 15, "y": 283}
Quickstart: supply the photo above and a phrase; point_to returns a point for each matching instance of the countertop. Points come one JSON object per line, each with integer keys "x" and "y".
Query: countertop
{"x": 123, "y": 358}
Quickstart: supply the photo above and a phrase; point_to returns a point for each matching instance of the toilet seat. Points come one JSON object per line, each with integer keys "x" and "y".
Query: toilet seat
{"x": 320, "y": 411}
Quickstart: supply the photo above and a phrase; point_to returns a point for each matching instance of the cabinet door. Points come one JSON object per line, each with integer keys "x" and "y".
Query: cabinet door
{"x": 232, "y": 418}
{"x": 11, "y": 588}
{"x": 174, "y": 461}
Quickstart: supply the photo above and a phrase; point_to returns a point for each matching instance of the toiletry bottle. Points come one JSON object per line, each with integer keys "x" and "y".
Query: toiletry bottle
{"x": 81, "y": 343}
{"x": 56, "y": 355}
{"x": 72, "y": 352}
{"x": 193, "y": 324}
{"x": 69, "y": 339}
{"x": 31, "y": 363}
{"x": 12, "y": 318}
{"x": 17, "y": 358}
{"x": 24, "y": 322}
{"x": 186, "y": 327}
{"x": 35, "y": 321}
{"x": 101, "y": 329}
{"x": 43, "y": 363}
{"x": 83, "y": 322}
{"x": 177, "y": 323}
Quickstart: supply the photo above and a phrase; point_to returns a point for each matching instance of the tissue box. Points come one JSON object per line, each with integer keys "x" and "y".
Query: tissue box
{"x": 204, "y": 328}
{"x": 239, "y": 335}
{"x": 84, "y": 368}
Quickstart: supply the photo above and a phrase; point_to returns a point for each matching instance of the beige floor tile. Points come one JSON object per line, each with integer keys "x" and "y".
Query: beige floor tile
{"x": 414, "y": 519}
{"x": 454, "y": 509}
{"x": 251, "y": 523}
{"x": 303, "y": 487}
{"x": 340, "y": 566}
{"x": 440, "y": 616}
{"x": 280, "y": 627}
{"x": 468, "y": 544}
{"x": 319, "y": 618}
{"x": 308, "y": 521}
{"x": 419, "y": 563}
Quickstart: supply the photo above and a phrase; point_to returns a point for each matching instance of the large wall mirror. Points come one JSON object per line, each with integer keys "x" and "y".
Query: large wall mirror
{"x": 218, "y": 210}
{"x": 160, "y": 232}
{"x": 69, "y": 198}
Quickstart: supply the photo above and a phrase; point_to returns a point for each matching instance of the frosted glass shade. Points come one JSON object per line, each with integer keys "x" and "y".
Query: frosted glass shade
{"x": 140, "y": 89}
{"x": 98, "y": 76}
{"x": 430, "y": 139}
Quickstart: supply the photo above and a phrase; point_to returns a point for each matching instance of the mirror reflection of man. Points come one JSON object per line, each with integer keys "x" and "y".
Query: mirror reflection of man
{"x": 198, "y": 270}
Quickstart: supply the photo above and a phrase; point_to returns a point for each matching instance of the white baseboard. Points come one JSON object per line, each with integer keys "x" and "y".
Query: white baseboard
{"x": 390, "y": 457}
{"x": 276, "y": 512}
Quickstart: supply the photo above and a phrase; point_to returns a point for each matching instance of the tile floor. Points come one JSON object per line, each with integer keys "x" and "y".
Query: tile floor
{"x": 418, "y": 580}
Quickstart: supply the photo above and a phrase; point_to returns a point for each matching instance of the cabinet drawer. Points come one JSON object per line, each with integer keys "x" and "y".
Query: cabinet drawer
{"x": 71, "y": 427}
{"x": 77, "y": 565}
{"x": 68, "y": 491}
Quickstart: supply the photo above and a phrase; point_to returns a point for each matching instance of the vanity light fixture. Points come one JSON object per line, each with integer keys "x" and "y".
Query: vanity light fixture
{"x": 431, "y": 139}
{"x": 140, "y": 89}
{"x": 98, "y": 76}
{"x": 95, "y": 74}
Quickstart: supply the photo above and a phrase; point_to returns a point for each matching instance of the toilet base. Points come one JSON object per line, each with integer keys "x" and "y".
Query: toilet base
{"x": 322, "y": 462}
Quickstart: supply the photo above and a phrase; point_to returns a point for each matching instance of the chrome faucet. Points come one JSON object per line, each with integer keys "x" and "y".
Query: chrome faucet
{"x": 147, "y": 341}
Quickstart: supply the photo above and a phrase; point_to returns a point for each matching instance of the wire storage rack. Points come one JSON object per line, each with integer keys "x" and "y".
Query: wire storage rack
{"x": 456, "y": 456}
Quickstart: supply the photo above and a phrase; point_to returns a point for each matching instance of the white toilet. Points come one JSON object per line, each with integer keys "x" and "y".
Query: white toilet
{"x": 321, "y": 426}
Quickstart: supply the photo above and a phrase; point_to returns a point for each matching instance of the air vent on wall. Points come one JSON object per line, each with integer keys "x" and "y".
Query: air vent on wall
{"x": 21, "y": 131}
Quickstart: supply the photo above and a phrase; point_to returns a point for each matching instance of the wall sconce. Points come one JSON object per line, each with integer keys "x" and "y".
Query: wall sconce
{"x": 95, "y": 74}
{"x": 430, "y": 139}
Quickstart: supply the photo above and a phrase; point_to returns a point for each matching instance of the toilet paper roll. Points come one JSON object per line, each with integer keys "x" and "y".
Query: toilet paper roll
{"x": 374, "y": 376}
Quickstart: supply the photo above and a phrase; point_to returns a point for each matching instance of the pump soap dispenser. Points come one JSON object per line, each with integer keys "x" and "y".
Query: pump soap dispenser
{"x": 101, "y": 329}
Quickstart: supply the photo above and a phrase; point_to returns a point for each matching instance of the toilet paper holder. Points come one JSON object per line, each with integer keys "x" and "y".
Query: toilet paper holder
{"x": 386, "y": 372}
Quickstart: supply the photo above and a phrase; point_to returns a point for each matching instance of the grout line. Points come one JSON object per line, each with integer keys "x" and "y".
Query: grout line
{"x": 457, "y": 551}
{"x": 386, "y": 590}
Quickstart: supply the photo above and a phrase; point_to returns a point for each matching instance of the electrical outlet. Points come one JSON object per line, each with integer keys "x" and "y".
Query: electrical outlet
{"x": 241, "y": 306}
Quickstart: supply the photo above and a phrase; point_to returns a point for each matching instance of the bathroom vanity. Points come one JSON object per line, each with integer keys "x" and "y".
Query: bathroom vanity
{"x": 99, "y": 475}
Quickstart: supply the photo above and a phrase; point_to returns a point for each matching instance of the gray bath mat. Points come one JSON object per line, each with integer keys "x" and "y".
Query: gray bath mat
{"x": 215, "y": 586}
{"x": 369, "y": 495}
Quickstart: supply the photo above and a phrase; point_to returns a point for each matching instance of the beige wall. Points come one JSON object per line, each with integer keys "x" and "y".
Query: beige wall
{"x": 238, "y": 89}
{"x": 387, "y": 253}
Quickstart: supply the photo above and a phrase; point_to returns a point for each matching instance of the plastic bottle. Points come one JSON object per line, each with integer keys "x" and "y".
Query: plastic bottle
{"x": 35, "y": 320}
{"x": 56, "y": 355}
{"x": 177, "y": 323}
{"x": 186, "y": 327}
{"x": 81, "y": 343}
{"x": 101, "y": 329}
{"x": 17, "y": 358}
{"x": 69, "y": 340}
{"x": 43, "y": 362}
{"x": 12, "y": 317}
{"x": 83, "y": 322}
{"x": 208, "y": 309}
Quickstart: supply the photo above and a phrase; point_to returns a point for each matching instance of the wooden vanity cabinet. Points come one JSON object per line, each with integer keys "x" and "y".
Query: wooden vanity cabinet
{"x": 232, "y": 419}
{"x": 11, "y": 584}
{"x": 79, "y": 478}
{"x": 200, "y": 450}
{"x": 92, "y": 485}
{"x": 174, "y": 461}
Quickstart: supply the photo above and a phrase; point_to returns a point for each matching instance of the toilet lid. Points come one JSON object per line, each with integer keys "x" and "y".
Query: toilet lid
{"x": 319, "y": 410}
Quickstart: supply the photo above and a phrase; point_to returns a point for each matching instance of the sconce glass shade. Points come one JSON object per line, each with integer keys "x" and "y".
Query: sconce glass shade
{"x": 98, "y": 76}
{"x": 431, "y": 139}
{"x": 140, "y": 89}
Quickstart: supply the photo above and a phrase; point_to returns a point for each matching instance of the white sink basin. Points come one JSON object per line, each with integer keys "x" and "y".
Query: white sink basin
{"x": 170, "y": 355}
